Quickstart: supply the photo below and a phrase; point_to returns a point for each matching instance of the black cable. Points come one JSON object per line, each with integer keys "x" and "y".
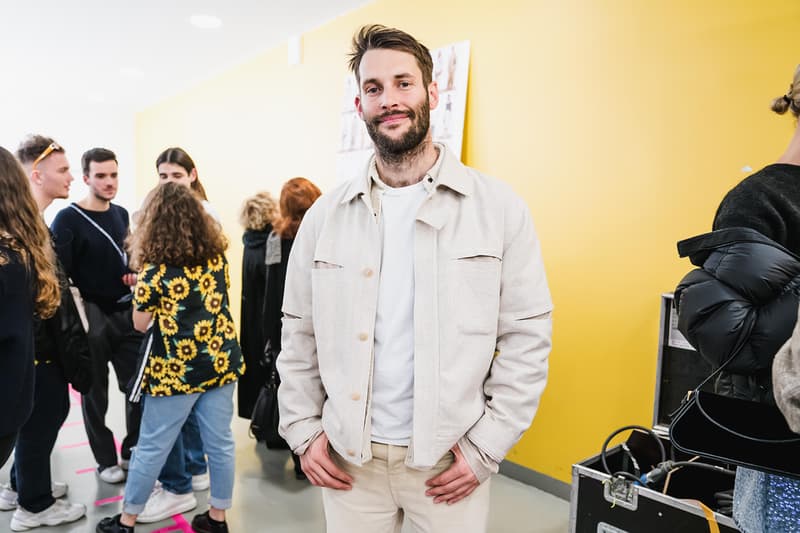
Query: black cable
{"x": 604, "y": 449}
{"x": 660, "y": 472}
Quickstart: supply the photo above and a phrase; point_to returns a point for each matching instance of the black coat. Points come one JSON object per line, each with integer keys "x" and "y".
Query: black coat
{"x": 251, "y": 336}
{"x": 16, "y": 342}
{"x": 745, "y": 293}
{"x": 63, "y": 338}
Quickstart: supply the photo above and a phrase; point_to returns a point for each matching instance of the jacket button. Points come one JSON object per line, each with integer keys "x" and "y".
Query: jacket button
{"x": 355, "y": 396}
{"x": 351, "y": 453}
{"x": 363, "y": 336}
{"x": 368, "y": 272}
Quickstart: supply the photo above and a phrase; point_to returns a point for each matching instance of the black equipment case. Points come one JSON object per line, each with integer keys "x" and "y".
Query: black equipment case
{"x": 600, "y": 504}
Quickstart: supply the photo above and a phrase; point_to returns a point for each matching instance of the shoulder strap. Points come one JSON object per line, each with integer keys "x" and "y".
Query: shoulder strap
{"x": 122, "y": 254}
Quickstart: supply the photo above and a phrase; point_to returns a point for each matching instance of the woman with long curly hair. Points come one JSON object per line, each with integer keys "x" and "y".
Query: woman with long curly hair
{"x": 28, "y": 287}
{"x": 194, "y": 358}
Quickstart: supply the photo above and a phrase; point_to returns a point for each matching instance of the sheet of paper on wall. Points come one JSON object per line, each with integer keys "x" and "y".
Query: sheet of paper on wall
{"x": 451, "y": 73}
{"x": 676, "y": 338}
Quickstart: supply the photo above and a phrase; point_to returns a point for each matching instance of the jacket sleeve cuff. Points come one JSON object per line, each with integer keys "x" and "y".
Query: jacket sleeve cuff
{"x": 481, "y": 464}
{"x": 301, "y": 449}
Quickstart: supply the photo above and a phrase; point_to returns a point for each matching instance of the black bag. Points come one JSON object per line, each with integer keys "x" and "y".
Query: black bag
{"x": 265, "y": 418}
{"x": 750, "y": 434}
{"x": 744, "y": 433}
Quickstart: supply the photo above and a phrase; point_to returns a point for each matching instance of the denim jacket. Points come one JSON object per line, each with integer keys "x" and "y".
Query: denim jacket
{"x": 482, "y": 322}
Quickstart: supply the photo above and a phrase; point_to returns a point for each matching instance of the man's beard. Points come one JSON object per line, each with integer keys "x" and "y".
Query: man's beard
{"x": 395, "y": 151}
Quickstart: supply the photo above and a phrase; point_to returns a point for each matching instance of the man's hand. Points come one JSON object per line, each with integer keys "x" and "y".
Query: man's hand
{"x": 129, "y": 279}
{"x": 455, "y": 483}
{"x": 320, "y": 468}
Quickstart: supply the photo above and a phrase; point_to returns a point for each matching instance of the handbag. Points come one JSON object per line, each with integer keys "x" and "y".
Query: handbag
{"x": 731, "y": 430}
{"x": 265, "y": 418}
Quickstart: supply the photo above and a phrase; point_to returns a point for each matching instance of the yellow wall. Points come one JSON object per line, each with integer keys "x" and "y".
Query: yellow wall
{"x": 622, "y": 124}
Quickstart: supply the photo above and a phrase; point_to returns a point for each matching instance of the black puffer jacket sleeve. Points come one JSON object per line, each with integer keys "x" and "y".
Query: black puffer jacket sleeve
{"x": 746, "y": 291}
{"x": 71, "y": 343}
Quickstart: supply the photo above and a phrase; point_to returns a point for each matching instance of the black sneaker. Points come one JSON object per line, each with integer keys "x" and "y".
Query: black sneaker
{"x": 112, "y": 524}
{"x": 203, "y": 523}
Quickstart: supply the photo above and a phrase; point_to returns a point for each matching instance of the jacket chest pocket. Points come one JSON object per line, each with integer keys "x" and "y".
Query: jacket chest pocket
{"x": 473, "y": 298}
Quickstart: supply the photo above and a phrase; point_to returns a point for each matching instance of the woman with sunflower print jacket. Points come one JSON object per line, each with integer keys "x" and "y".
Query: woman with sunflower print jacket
{"x": 194, "y": 358}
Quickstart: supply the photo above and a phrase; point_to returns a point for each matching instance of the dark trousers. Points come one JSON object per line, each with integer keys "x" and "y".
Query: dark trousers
{"x": 30, "y": 474}
{"x": 186, "y": 459}
{"x": 6, "y": 447}
{"x": 112, "y": 339}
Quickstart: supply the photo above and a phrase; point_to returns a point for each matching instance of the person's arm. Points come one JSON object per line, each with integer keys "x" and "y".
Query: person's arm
{"x": 518, "y": 373}
{"x": 64, "y": 240}
{"x": 141, "y": 320}
{"x": 146, "y": 295}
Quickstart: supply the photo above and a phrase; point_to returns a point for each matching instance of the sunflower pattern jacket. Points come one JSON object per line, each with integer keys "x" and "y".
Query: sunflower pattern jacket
{"x": 194, "y": 346}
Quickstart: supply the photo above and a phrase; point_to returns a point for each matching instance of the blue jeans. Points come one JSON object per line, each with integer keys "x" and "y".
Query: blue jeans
{"x": 186, "y": 459}
{"x": 162, "y": 420}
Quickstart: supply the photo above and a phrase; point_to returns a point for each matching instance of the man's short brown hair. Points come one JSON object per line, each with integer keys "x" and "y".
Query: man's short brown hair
{"x": 378, "y": 36}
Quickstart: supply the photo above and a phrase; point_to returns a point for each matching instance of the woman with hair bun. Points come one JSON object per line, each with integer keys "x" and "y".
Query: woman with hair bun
{"x": 719, "y": 310}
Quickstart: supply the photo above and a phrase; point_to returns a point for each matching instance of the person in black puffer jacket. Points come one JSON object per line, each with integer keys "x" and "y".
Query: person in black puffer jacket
{"x": 747, "y": 291}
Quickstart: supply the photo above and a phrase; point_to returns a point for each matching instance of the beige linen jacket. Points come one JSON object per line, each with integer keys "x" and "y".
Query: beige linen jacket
{"x": 786, "y": 379}
{"x": 482, "y": 324}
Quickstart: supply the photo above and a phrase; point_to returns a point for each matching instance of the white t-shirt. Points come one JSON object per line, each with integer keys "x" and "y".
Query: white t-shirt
{"x": 393, "y": 372}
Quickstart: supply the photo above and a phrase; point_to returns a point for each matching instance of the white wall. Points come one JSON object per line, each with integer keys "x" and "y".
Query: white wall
{"x": 77, "y": 127}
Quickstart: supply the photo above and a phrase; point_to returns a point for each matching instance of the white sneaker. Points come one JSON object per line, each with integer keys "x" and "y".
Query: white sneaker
{"x": 8, "y": 496}
{"x": 61, "y": 512}
{"x": 112, "y": 474}
{"x": 201, "y": 482}
{"x": 162, "y": 504}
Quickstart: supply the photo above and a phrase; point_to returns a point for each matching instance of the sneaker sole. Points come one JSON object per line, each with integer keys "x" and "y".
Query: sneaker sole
{"x": 186, "y": 507}
{"x": 19, "y": 526}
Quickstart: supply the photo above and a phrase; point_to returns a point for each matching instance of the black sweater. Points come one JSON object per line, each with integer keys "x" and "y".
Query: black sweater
{"x": 89, "y": 258}
{"x": 16, "y": 341}
{"x": 768, "y": 202}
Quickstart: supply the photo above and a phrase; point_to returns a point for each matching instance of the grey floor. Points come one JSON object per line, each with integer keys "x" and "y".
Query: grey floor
{"x": 267, "y": 498}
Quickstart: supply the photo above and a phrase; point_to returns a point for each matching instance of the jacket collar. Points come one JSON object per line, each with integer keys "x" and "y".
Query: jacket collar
{"x": 452, "y": 175}
{"x": 698, "y": 248}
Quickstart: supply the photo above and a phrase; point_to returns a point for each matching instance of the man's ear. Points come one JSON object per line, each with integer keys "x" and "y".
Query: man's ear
{"x": 433, "y": 94}
{"x": 193, "y": 175}
{"x": 358, "y": 107}
{"x": 86, "y": 179}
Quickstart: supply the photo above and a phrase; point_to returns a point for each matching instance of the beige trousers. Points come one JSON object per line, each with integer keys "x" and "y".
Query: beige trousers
{"x": 385, "y": 492}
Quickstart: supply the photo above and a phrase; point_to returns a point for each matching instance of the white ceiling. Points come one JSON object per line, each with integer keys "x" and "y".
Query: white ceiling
{"x": 129, "y": 54}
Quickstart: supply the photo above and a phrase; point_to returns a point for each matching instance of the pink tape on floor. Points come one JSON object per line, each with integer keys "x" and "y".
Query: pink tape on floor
{"x": 72, "y": 424}
{"x": 117, "y": 445}
{"x": 180, "y": 525}
{"x": 105, "y": 501}
{"x": 85, "y": 470}
{"x": 74, "y": 445}
{"x": 76, "y": 396}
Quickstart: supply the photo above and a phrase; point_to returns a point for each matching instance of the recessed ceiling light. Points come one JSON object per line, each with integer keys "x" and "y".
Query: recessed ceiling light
{"x": 205, "y": 22}
{"x": 132, "y": 73}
